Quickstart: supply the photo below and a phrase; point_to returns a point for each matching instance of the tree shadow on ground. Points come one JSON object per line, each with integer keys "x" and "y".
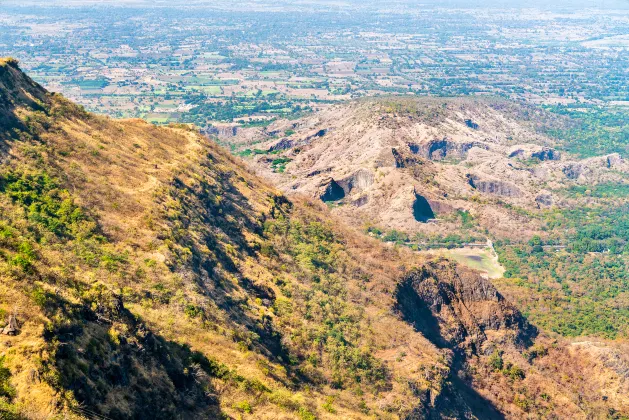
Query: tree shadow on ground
{"x": 160, "y": 379}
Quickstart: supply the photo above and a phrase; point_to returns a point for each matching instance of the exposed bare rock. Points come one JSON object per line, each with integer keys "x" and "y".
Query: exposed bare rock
{"x": 12, "y": 327}
{"x": 494, "y": 187}
{"x": 360, "y": 201}
{"x": 283, "y": 144}
{"x": 330, "y": 190}
{"x": 574, "y": 170}
{"x": 309, "y": 138}
{"x": 442, "y": 149}
{"x": 318, "y": 172}
{"x": 614, "y": 160}
{"x": 358, "y": 181}
{"x": 611, "y": 161}
{"x": 533, "y": 151}
{"x": 402, "y": 161}
{"x": 455, "y": 307}
{"x": 544, "y": 199}
{"x": 222, "y": 131}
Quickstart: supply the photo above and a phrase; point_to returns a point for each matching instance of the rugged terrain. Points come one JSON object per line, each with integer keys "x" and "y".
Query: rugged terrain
{"x": 403, "y": 162}
{"x": 146, "y": 273}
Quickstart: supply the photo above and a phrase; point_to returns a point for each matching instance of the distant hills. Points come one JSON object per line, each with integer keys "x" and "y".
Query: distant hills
{"x": 152, "y": 275}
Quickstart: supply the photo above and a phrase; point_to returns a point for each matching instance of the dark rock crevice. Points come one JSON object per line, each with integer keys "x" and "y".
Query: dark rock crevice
{"x": 422, "y": 211}
{"x": 330, "y": 190}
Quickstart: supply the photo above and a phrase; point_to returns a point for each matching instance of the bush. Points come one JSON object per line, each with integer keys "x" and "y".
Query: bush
{"x": 495, "y": 361}
{"x": 244, "y": 407}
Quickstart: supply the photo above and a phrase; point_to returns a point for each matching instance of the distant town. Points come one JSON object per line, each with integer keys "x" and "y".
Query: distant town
{"x": 211, "y": 67}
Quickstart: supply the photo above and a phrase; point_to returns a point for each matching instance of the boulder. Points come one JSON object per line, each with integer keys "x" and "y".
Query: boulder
{"x": 358, "y": 181}
{"x": 544, "y": 199}
{"x": 12, "y": 327}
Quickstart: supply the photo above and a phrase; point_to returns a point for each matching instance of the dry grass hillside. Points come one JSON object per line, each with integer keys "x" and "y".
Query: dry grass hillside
{"x": 152, "y": 276}
{"x": 399, "y": 162}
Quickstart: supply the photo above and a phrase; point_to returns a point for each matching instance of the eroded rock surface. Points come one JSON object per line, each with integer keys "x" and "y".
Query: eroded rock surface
{"x": 494, "y": 187}
{"x": 330, "y": 190}
{"x": 456, "y": 307}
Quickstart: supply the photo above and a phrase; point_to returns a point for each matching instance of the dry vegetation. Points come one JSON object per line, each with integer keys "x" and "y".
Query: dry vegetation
{"x": 153, "y": 276}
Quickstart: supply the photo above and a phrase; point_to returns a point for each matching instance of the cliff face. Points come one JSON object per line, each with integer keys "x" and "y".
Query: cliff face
{"x": 494, "y": 187}
{"x": 16, "y": 91}
{"x": 456, "y": 308}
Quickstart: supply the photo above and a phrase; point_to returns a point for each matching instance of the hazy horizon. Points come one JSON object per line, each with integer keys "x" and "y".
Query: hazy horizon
{"x": 257, "y": 5}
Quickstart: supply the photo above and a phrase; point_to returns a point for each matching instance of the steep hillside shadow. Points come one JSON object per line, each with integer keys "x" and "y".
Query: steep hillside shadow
{"x": 160, "y": 379}
{"x": 16, "y": 89}
{"x": 416, "y": 312}
{"x": 458, "y": 399}
{"x": 214, "y": 224}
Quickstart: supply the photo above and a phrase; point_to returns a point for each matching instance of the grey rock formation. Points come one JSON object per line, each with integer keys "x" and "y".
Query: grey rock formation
{"x": 358, "y": 181}
{"x": 442, "y": 149}
{"x": 493, "y": 187}
{"x": 330, "y": 190}
{"x": 12, "y": 327}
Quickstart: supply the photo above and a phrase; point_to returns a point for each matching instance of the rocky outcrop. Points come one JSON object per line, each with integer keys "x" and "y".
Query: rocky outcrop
{"x": 223, "y": 131}
{"x": 358, "y": 181}
{"x": 546, "y": 154}
{"x": 442, "y": 149}
{"x": 531, "y": 151}
{"x": 544, "y": 199}
{"x": 360, "y": 201}
{"x": 471, "y": 124}
{"x": 315, "y": 135}
{"x": 613, "y": 160}
{"x": 403, "y": 161}
{"x": 573, "y": 170}
{"x": 330, "y": 190}
{"x": 12, "y": 327}
{"x": 455, "y": 307}
{"x": 493, "y": 187}
{"x": 318, "y": 172}
{"x": 283, "y": 144}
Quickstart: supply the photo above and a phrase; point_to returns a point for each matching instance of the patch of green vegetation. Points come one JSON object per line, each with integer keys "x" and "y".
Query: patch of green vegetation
{"x": 279, "y": 164}
{"x": 91, "y": 84}
{"x": 257, "y": 123}
{"x": 250, "y": 152}
{"x": 576, "y": 289}
{"x": 46, "y": 204}
{"x": 467, "y": 220}
{"x": 240, "y": 107}
{"x": 603, "y": 190}
{"x": 595, "y": 130}
{"x": 322, "y": 315}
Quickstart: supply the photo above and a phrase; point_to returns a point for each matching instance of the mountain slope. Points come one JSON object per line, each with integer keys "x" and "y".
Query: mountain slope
{"x": 400, "y": 162}
{"x": 152, "y": 276}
